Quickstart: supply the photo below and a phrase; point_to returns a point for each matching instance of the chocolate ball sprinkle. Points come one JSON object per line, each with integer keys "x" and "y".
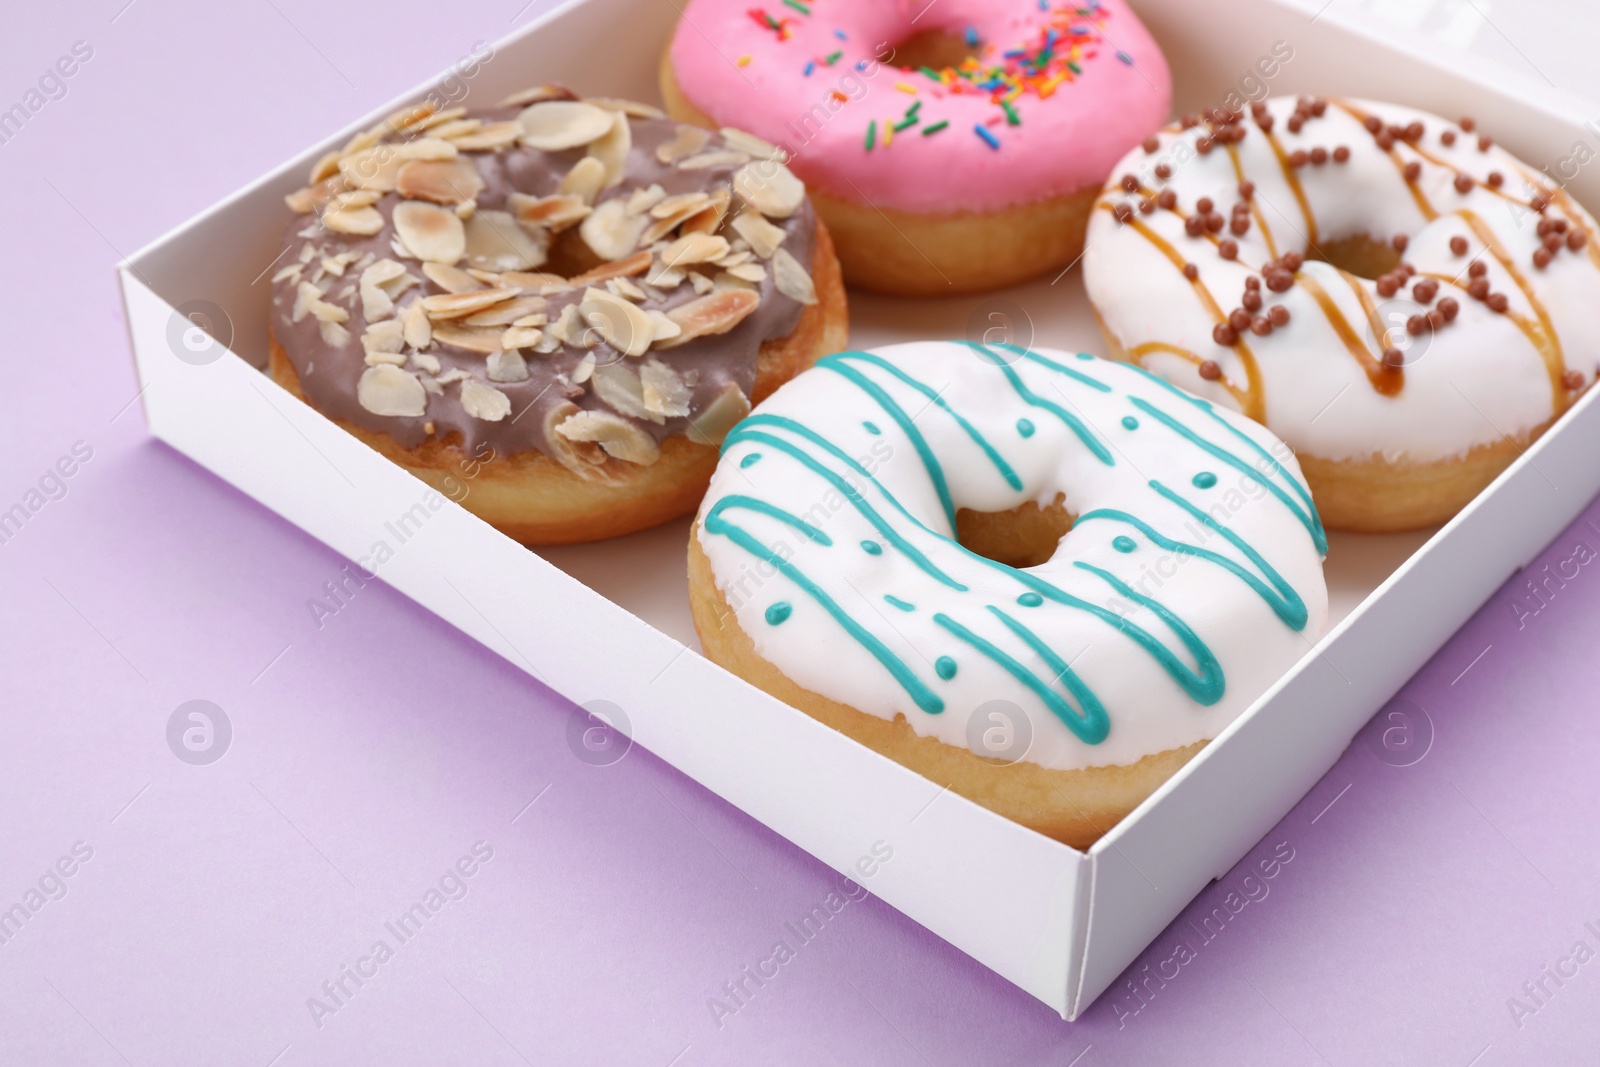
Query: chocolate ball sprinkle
{"x": 1484, "y": 144}
{"x": 1416, "y": 324}
{"x": 1399, "y": 242}
{"x": 1167, "y": 199}
{"x": 1228, "y": 248}
{"x": 1495, "y": 179}
{"x": 1191, "y": 271}
{"x": 1278, "y": 315}
{"x": 1240, "y": 225}
{"x": 1541, "y": 258}
{"x": 1464, "y": 183}
{"x": 1447, "y": 138}
{"x": 1251, "y": 300}
{"x": 1130, "y": 183}
{"x": 1341, "y": 154}
{"x": 1478, "y": 288}
{"x": 1209, "y": 370}
{"x": 1412, "y": 171}
{"x": 1497, "y": 302}
{"x": 1260, "y": 327}
{"x": 1252, "y": 283}
{"x": 1478, "y": 268}
{"x": 1393, "y": 357}
{"x": 1163, "y": 171}
{"x": 1449, "y": 308}
{"x": 1239, "y": 319}
{"x": 1151, "y": 145}
{"x": 1204, "y": 205}
{"x": 1319, "y": 156}
{"x": 1573, "y": 380}
{"x": 1576, "y": 239}
{"x": 1458, "y": 245}
{"x": 1247, "y": 190}
{"x": 1467, "y": 124}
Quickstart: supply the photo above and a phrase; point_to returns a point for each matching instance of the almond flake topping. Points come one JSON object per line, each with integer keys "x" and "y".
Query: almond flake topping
{"x": 749, "y": 142}
{"x": 443, "y": 181}
{"x": 484, "y": 401}
{"x": 430, "y": 232}
{"x": 583, "y": 180}
{"x": 388, "y": 390}
{"x": 357, "y": 221}
{"x": 489, "y": 137}
{"x": 508, "y": 366}
{"x": 612, "y": 149}
{"x": 494, "y": 241}
{"x": 459, "y": 305}
{"x": 620, "y": 324}
{"x": 471, "y": 338}
{"x": 707, "y": 160}
{"x": 450, "y": 279}
{"x": 763, "y": 236}
{"x": 554, "y": 125}
{"x": 610, "y": 231}
{"x": 711, "y": 426}
{"x": 769, "y": 187}
{"x": 555, "y": 213}
{"x": 694, "y": 248}
{"x": 791, "y": 278}
{"x": 688, "y": 141}
{"x": 627, "y": 107}
{"x": 714, "y": 313}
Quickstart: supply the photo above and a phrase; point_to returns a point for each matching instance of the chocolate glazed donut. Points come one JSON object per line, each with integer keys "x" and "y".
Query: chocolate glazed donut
{"x": 574, "y": 300}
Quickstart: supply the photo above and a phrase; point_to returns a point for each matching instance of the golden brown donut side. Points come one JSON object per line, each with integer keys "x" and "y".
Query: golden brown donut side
{"x": 905, "y": 254}
{"x": 1074, "y": 807}
{"x": 538, "y": 501}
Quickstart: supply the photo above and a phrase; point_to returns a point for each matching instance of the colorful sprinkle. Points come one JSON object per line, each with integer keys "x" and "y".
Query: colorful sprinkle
{"x": 841, "y": 35}
{"x": 988, "y": 137}
{"x": 872, "y": 134}
{"x": 811, "y": 65}
{"x": 744, "y": 61}
{"x": 833, "y": 57}
{"x": 798, "y": 6}
{"x": 905, "y": 88}
{"x": 1125, "y": 57}
{"x": 935, "y": 128}
{"x": 1012, "y": 118}
{"x": 905, "y": 123}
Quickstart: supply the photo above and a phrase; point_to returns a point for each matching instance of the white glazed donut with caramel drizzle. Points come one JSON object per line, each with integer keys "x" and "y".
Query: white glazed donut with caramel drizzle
{"x": 1227, "y": 255}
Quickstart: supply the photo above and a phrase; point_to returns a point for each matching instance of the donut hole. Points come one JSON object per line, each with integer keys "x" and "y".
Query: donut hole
{"x": 934, "y": 49}
{"x": 1025, "y": 536}
{"x": 1361, "y": 255}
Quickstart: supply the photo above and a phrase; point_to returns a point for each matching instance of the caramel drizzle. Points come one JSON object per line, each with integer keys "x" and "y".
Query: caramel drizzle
{"x": 1295, "y": 187}
{"x": 1250, "y": 399}
{"x": 1545, "y": 340}
{"x": 1386, "y": 380}
{"x": 1255, "y": 208}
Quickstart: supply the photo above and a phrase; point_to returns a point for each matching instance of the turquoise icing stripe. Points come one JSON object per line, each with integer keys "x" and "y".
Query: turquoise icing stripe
{"x": 1052, "y": 700}
{"x": 756, "y": 504}
{"x": 929, "y": 462}
{"x": 749, "y": 430}
{"x": 1071, "y": 421}
{"x": 938, "y": 401}
{"x": 1091, "y": 724}
{"x": 924, "y": 697}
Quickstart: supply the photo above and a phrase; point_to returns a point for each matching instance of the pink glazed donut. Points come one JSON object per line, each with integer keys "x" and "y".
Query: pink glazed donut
{"x": 951, "y": 146}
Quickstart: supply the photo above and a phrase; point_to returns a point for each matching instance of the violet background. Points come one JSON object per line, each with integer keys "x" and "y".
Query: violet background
{"x": 371, "y": 753}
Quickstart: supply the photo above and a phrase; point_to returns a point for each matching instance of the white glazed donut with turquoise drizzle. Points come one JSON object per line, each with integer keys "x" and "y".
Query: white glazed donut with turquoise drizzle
{"x": 1191, "y": 578}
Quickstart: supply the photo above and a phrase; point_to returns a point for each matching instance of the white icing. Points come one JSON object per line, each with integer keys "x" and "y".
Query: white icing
{"x": 1148, "y": 710}
{"x": 1470, "y": 383}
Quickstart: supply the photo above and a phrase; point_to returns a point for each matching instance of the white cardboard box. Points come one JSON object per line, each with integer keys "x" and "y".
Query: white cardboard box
{"x": 610, "y": 621}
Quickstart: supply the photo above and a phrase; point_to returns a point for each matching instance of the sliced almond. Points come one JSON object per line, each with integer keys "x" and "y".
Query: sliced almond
{"x": 533, "y": 95}
{"x": 407, "y": 117}
{"x": 430, "y": 232}
{"x": 711, "y": 426}
{"x": 451, "y": 279}
{"x": 357, "y": 221}
{"x": 384, "y": 342}
{"x": 473, "y": 339}
{"x": 665, "y": 394}
{"x": 714, "y": 313}
{"x": 314, "y": 197}
{"x": 584, "y": 370}
{"x": 694, "y": 248}
{"x": 620, "y": 438}
{"x": 568, "y": 328}
{"x": 620, "y": 324}
{"x": 555, "y": 213}
{"x": 750, "y": 143}
{"x": 506, "y": 313}
{"x": 375, "y": 168}
{"x": 665, "y": 328}
{"x": 426, "y": 362}
{"x": 707, "y": 160}
{"x": 521, "y": 337}
{"x": 613, "y": 148}
{"x": 627, "y": 107}
{"x": 701, "y": 283}
{"x": 326, "y": 166}
{"x": 450, "y": 131}
{"x": 619, "y": 386}
{"x": 709, "y": 218}
{"x": 554, "y": 125}
{"x": 754, "y": 273}
{"x": 416, "y": 328}
{"x": 508, "y": 366}
{"x": 376, "y": 301}
{"x": 388, "y": 390}
{"x": 627, "y": 290}
{"x": 484, "y": 401}
{"x": 334, "y": 335}
{"x": 443, "y": 181}
{"x": 791, "y": 278}
{"x": 763, "y": 236}
{"x": 446, "y": 306}
{"x": 688, "y": 141}
{"x": 637, "y": 263}
{"x": 583, "y": 458}
{"x": 583, "y": 180}
{"x": 494, "y": 241}
{"x": 423, "y": 148}
{"x": 645, "y": 199}
{"x": 611, "y": 232}
{"x": 488, "y": 137}
{"x": 440, "y": 118}
{"x": 769, "y": 187}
